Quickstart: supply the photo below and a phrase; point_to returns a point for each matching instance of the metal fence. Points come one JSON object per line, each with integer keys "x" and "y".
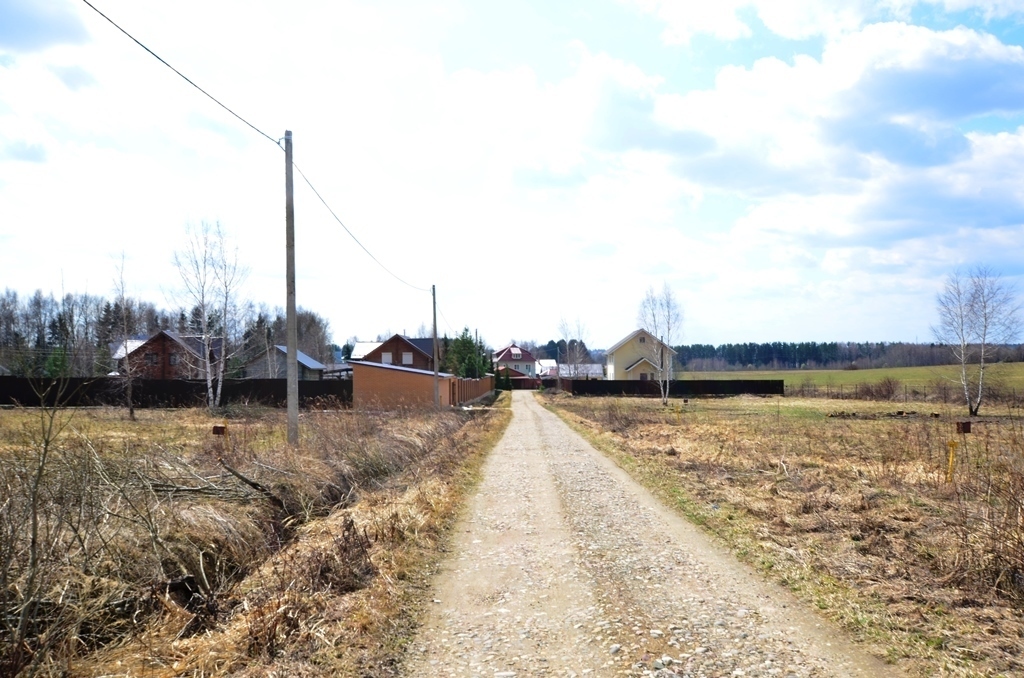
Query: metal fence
{"x": 677, "y": 389}
{"x": 78, "y": 392}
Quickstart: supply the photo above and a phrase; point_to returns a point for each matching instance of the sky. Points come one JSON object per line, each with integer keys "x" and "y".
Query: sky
{"x": 793, "y": 170}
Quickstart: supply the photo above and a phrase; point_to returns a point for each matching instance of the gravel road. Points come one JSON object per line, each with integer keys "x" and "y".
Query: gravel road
{"x": 563, "y": 566}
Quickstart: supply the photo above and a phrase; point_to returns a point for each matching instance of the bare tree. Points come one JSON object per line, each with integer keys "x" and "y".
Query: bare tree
{"x": 576, "y": 355}
{"x": 229, "y": 275}
{"x": 212, "y": 277}
{"x": 127, "y": 370}
{"x": 660, "y": 316}
{"x": 978, "y": 314}
{"x": 195, "y": 267}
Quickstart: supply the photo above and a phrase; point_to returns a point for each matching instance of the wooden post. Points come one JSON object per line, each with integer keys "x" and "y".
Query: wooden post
{"x": 291, "y": 361}
{"x": 437, "y": 392}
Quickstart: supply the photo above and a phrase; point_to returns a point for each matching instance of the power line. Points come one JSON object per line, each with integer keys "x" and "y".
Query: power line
{"x": 183, "y": 76}
{"x": 351, "y": 235}
{"x": 276, "y": 142}
{"x": 446, "y": 321}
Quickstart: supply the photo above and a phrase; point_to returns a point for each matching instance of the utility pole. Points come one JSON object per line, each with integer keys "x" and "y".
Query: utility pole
{"x": 437, "y": 391}
{"x": 291, "y": 361}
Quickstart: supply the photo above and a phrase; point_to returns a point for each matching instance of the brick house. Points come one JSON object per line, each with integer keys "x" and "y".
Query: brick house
{"x": 388, "y": 387}
{"x": 165, "y": 355}
{"x": 400, "y": 350}
{"x": 518, "y": 359}
{"x": 384, "y": 386}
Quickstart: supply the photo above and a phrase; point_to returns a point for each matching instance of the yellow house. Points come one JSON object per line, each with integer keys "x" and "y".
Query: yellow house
{"x": 640, "y": 357}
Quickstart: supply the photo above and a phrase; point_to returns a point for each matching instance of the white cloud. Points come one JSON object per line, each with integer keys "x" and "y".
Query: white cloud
{"x": 799, "y": 19}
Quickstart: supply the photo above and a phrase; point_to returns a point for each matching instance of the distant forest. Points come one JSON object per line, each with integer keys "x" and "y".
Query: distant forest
{"x": 782, "y": 355}
{"x": 42, "y": 335}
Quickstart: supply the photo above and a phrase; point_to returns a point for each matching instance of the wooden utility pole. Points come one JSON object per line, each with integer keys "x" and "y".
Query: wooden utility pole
{"x": 437, "y": 392}
{"x": 291, "y": 362}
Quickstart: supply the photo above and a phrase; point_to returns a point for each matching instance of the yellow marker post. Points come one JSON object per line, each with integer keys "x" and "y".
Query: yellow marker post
{"x": 952, "y": 461}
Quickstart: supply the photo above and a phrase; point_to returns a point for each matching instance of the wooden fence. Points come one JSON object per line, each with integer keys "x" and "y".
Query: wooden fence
{"x": 467, "y": 390}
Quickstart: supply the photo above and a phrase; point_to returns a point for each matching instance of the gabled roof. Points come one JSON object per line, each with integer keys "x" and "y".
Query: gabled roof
{"x": 505, "y": 355}
{"x": 425, "y": 346}
{"x": 642, "y": 360}
{"x": 361, "y": 348}
{"x": 631, "y": 336}
{"x": 302, "y": 358}
{"x": 119, "y": 349}
{"x": 190, "y": 342}
{"x": 400, "y": 368}
{"x": 512, "y": 373}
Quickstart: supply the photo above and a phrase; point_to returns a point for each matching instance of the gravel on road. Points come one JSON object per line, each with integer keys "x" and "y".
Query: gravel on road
{"x": 563, "y": 566}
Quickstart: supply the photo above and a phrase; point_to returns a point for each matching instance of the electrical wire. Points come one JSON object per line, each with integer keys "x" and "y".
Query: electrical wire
{"x": 183, "y": 76}
{"x": 446, "y": 322}
{"x": 352, "y": 235}
{"x": 276, "y": 142}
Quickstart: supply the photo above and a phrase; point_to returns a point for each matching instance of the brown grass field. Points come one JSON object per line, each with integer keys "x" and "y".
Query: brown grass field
{"x": 934, "y": 384}
{"x": 860, "y": 513}
{"x": 153, "y": 548}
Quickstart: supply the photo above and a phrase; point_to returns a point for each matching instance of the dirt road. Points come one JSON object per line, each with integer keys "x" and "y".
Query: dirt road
{"x": 563, "y": 566}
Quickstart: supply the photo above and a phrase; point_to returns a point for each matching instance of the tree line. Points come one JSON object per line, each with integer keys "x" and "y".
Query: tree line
{"x": 74, "y": 335}
{"x": 782, "y": 355}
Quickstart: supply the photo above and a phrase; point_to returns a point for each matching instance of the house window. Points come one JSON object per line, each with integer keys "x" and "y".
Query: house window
{"x": 386, "y": 358}
{"x": 516, "y": 367}
{"x": 643, "y": 376}
{"x": 151, "y": 358}
{"x": 173, "y": 359}
{"x": 407, "y": 357}
{"x": 643, "y": 340}
{"x": 516, "y": 354}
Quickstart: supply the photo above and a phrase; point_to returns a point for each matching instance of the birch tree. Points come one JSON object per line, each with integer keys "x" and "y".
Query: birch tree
{"x": 129, "y": 370}
{"x": 576, "y": 354}
{"x": 661, "y": 317}
{"x": 211, "y": 277}
{"x": 978, "y": 314}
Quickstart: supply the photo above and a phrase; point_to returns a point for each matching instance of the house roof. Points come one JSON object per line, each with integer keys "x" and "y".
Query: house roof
{"x": 630, "y": 337}
{"x": 303, "y": 359}
{"x": 191, "y": 342}
{"x": 512, "y": 373}
{"x": 385, "y": 366}
{"x": 361, "y": 348}
{"x": 505, "y": 355}
{"x": 642, "y": 360}
{"x": 426, "y": 346}
{"x": 119, "y": 349}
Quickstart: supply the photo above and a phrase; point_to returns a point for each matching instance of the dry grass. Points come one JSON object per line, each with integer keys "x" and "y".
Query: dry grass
{"x": 165, "y": 551}
{"x": 851, "y": 511}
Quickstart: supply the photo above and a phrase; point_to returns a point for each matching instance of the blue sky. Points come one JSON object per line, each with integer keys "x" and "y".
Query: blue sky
{"x": 794, "y": 170}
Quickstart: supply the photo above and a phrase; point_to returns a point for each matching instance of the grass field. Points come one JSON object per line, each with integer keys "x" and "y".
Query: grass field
{"x": 863, "y": 515}
{"x": 1006, "y": 376}
{"x": 153, "y": 548}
